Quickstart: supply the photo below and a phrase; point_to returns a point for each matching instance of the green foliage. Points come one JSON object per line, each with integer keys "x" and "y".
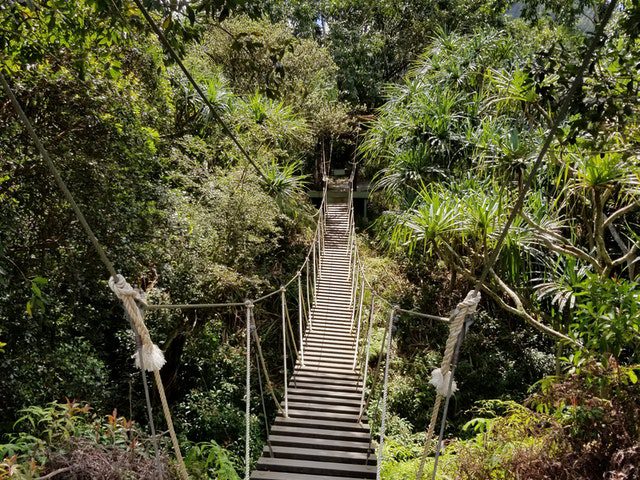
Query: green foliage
{"x": 209, "y": 460}
{"x": 168, "y": 195}
{"x": 285, "y": 186}
{"x": 45, "y": 34}
{"x": 375, "y": 42}
{"x": 37, "y": 302}
{"x": 467, "y": 101}
{"x": 260, "y": 56}
{"x": 451, "y": 149}
{"x": 45, "y": 436}
{"x": 607, "y": 317}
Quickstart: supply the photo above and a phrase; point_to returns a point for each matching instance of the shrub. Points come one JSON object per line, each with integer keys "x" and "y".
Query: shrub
{"x": 68, "y": 438}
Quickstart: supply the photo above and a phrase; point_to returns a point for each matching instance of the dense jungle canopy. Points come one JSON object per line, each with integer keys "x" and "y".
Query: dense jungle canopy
{"x": 442, "y": 106}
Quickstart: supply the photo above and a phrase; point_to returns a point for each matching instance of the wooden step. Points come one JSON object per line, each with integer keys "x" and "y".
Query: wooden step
{"x": 343, "y": 445}
{"x": 305, "y": 422}
{"x": 314, "y": 454}
{"x": 317, "y": 467}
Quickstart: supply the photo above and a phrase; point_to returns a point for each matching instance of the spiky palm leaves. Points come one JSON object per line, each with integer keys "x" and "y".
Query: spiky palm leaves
{"x": 460, "y": 107}
{"x": 285, "y": 184}
{"x": 459, "y": 223}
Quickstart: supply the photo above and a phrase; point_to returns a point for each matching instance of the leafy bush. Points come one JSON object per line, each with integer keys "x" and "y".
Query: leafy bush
{"x": 209, "y": 460}
{"x": 584, "y": 426}
{"x": 68, "y": 438}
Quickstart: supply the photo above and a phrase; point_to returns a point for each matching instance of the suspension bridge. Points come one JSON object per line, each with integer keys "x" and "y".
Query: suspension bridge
{"x": 321, "y": 433}
{"x": 321, "y": 430}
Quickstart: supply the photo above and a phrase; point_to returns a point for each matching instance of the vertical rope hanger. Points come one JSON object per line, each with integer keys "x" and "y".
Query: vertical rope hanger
{"x": 366, "y": 357}
{"x": 357, "y": 338}
{"x": 283, "y": 302}
{"x": 247, "y": 400}
{"x": 300, "y": 309}
{"x": 385, "y": 388}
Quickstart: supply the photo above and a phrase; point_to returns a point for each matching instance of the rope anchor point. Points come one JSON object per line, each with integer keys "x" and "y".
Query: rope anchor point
{"x": 149, "y": 356}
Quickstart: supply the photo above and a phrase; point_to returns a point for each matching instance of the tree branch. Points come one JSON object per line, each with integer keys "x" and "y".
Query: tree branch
{"x": 598, "y": 225}
{"x": 54, "y": 473}
{"x": 566, "y": 248}
{"x": 627, "y": 257}
{"x": 620, "y": 212}
{"x": 519, "y": 309}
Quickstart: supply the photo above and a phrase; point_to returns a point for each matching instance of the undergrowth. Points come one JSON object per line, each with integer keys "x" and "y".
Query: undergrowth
{"x": 69, "y": 441}
{"x": 583, "y": 426}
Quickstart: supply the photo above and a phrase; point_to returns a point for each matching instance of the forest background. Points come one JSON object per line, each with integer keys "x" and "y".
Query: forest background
{"x": 444, "y": 105}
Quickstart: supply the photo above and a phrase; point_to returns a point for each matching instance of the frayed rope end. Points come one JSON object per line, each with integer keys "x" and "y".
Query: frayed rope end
{"x": 152, "y": 358}
{"x": 441, "y": 382}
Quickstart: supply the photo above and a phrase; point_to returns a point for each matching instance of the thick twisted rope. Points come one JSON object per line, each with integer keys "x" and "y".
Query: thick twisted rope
{"x": 441, "y": 377}
{"x": 150, "y": 354}
{"x": 148, "y": 357}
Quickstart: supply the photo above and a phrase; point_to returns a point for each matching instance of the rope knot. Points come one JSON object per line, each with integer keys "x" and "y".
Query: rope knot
{"x": 440, "y": 377}
{"x": 122, "y": 289}
{"x": 149, "y": 356}
{"x": 470, "y": 303}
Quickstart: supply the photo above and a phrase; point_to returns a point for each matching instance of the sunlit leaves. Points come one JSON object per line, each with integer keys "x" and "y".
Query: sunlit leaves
{"x": 42, "y": 35}
{"x": 607, "y": 316}
{"x": 606, "y": 170}
{"x": 434, "y": 219}
{"x": 286, "y": 185}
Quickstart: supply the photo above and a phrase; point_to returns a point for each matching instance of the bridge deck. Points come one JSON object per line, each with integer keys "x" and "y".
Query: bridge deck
{"x": 322, "y": 438}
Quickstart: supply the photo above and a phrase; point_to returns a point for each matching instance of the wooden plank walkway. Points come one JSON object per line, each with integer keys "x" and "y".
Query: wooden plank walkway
{"x": 321, "y": 438}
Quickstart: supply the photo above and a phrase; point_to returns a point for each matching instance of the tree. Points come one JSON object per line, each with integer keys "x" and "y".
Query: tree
{"x": 375, "y": 42}
{"x": 485, "y": 106}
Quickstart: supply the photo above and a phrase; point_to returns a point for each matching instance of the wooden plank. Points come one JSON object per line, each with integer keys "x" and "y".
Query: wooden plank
{"x": 302, "y": 441}
{"x": 329, "y": 401}
{"x": 317, "y": 468}
{"x": 321, "y": 415}
{"x": 266, "y": 475}
{"x": 320, "y": 433}
{"x": 318, "y": 454}
{"x": 307, "y": 384}
{"x": 322, "y": 424}
{"x": 324, "y": 407}
{"x": 349, "y": 395}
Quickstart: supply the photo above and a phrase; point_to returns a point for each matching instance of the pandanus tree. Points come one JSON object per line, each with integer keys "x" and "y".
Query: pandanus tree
{"x": 569, "y": 263}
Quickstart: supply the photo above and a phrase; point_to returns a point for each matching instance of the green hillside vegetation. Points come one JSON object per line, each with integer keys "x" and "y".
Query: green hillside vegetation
{"x": 444, "y": 106}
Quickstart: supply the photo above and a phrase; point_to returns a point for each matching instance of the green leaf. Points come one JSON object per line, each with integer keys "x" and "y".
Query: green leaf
{"x": 167, "y": 23}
